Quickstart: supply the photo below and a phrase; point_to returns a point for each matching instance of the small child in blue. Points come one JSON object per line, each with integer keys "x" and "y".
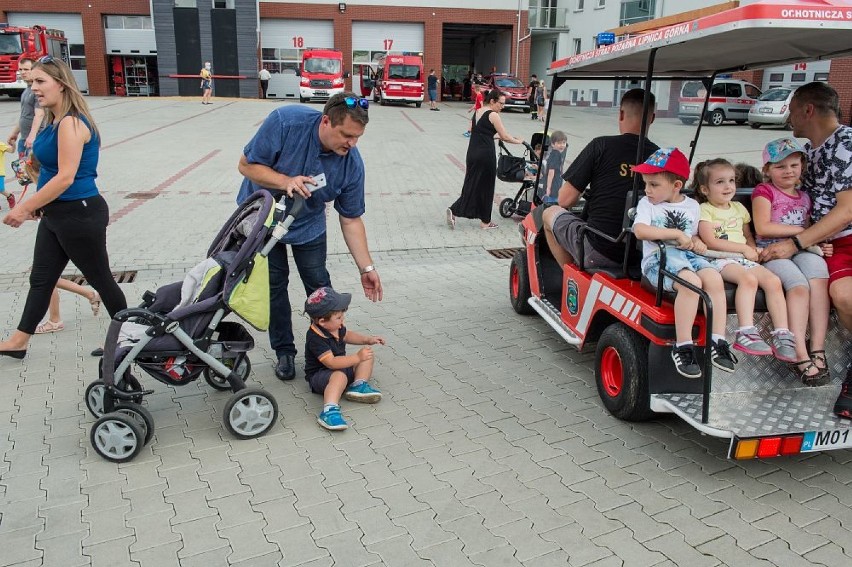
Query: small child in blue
{"x": 328, "y": 369}
{"x": 664, "y": 214}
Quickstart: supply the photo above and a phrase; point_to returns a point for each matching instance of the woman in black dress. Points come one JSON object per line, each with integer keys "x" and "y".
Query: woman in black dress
{"x": 477, "y": 194}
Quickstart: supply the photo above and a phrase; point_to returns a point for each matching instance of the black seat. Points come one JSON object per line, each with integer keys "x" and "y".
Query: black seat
{"x": 730, "y": 293}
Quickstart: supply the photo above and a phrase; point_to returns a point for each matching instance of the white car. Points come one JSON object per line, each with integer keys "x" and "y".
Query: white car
{"x": 772, "y": 108}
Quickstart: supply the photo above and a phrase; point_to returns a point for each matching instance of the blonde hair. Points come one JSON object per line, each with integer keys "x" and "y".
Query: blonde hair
{"x": 701, "y": 177}
{"x": 73, "y": 103}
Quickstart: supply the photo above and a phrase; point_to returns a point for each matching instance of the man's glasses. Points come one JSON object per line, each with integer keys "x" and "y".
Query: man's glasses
{"x": 353, "y": 101}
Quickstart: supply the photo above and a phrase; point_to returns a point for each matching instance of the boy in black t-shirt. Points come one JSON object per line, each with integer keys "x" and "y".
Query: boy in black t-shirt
{"x": 328, "y": 369}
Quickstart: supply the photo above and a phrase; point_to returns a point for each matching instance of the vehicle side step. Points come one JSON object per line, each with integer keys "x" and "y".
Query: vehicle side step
{"x": 553, "y": 318}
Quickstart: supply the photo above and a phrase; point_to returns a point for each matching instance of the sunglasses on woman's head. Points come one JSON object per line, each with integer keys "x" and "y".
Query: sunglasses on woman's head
{"x": 45, "y": 59}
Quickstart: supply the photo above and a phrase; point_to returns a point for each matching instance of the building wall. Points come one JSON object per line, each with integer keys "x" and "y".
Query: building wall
{"x": 468, "y": 4}
{"x": 92, "y": 12}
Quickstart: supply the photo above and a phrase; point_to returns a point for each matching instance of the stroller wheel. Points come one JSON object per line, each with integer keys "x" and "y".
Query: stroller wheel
{"x": 507, "y": 208}
{"x": 116, "y": 437}
{"x": 141, "y": 416}
{"x": 250, "y": 413}
{"x": 243, "y": 369}
{"x": 95, "y": 398}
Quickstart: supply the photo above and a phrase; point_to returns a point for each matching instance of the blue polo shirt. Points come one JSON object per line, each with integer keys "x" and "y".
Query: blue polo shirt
{"x": 288, "y": 142}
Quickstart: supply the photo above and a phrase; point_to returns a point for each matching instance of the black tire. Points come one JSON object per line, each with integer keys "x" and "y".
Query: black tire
{"x": 382, "y": 101}
{"x": 116, "y": 437}
{"x": 754, "y": 125}
{"x": 716, "y": 118}
{"x": 141, "y": 415}
{"x": 740, "y": 122}
{"x": 507, "y": 208}
{"x": 303, "y": 99}
{"x": 243, "y": 366}
{"x": 250, "y": 413}
{"x": 688, "y": 121}
{"x": 519, "y": 284}
{"x": 94, "y": 398}
{"x": 418, "y": 104}
{"x": 621, "y": 373}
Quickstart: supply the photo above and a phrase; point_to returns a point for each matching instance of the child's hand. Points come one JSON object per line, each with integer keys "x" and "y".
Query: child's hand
{"x": 750, "y": 253}
{"x": 365, "y": 353}
{"x": 684, "y": 241}
{"x": 698, "y": 246}
{"x": 375, "y": 340}
{"x": 827, "y": 249}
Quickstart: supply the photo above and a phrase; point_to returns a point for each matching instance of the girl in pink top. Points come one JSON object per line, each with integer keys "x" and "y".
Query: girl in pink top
{"x": 781, "y": 211}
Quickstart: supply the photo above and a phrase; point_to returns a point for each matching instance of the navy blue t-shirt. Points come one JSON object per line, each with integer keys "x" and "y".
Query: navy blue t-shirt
{"x": 318, "y": 342}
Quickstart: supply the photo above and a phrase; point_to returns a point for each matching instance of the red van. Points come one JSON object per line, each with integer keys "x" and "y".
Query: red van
{"x": 399, "y": 78}
{"x": 321, "y": 74}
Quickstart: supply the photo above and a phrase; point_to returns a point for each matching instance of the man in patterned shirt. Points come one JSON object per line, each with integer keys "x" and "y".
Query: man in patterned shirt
{"x": 815, "y": 114}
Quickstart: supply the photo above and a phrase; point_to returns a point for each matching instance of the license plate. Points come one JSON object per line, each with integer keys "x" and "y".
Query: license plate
{"x": 765, "y": 110}
{"x": 690, "y": 107}
{"x": 827, "y": 440}
{"x": 320, "y": 93}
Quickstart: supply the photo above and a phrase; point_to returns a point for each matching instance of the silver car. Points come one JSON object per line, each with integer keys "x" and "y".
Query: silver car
{"x": 772, "y": 108}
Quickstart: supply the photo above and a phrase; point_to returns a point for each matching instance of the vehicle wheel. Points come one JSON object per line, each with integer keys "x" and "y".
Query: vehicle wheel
{"x": 621, "y": 373}
{"x": 94, "y": 397}
{"x": 716, "y": 118}
{"x": 303, "y": 99}
{"x": 250, "y": 413}
{"x": 375, "y": 96}
{"x": 688, "y": 121}
{"x": 740, "y": 122}
{"x": 116, "y": 437}
{"x": 243, "y": 366}
{"x": 507, "y": 208}
{"x": 418, "y": 104}
{"x": 519, "y": 284}
{"x": 141, "y": 416}
{"x": 382, "y": 101}
{"x": 754, "y": 125}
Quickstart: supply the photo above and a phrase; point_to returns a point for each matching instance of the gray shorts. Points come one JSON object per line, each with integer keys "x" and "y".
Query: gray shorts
{"x": 566, "y": 229}
{"x": 319, "y": 379}
{"x": 796, "y": 271}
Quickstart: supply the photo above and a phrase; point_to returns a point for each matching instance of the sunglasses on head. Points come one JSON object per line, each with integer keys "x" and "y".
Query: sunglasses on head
{"x": 353, "y": 101}
{"x": 45, "y": 59}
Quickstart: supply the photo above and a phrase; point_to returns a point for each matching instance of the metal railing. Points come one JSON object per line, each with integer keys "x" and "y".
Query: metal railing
{"x": 548, "y": 18}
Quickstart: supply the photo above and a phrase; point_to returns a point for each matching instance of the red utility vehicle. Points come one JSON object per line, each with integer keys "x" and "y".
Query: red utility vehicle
{"x": 32, "y": 42}
{"x": 399, "y": 78}
{"x": 761, "y": 409}
{"x": 320, "y": 74}
{"x": 517, "y": 93}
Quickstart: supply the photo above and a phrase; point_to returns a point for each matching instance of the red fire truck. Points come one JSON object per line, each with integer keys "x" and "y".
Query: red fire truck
{"x": 399, "y": 78}
{"x": 32, "y": 42}
{"x": 321, "y": 74}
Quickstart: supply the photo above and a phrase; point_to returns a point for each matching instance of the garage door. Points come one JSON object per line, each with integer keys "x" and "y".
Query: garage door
{"x": 371, "y": 40}
{"x": 72, "y": 25}
{"x": 282, "y": 43}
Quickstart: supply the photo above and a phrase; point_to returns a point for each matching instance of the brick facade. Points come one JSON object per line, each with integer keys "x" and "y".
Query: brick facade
{"x": 93, "y": 12}
{"x": 840, "y": 78}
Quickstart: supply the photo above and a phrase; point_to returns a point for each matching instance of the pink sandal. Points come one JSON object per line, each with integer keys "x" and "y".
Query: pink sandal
{"x": 95, "y": 302}
{"x": 49, "y": 327}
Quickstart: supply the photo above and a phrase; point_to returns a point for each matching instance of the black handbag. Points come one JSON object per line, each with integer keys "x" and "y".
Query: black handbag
{"x": 511, "y": 168}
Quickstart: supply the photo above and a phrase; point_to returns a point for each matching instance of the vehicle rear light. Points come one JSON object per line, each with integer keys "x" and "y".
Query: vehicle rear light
{"x": 746, "y": 449}
{"x": 783, "y": 109}
{"x": 792, "y": 445}
{"x": 769, "y": 447}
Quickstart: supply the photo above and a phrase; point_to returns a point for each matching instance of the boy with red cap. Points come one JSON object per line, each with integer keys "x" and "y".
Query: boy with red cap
{"x": 664, "y": 214}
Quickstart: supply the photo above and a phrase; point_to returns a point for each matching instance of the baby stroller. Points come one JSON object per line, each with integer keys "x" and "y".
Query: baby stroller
{"x": 523, "y": 169}
{"x": 178, "y": 334}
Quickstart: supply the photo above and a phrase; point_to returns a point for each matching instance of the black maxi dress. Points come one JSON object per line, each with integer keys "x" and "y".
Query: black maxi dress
{"x": 477, "y": 195}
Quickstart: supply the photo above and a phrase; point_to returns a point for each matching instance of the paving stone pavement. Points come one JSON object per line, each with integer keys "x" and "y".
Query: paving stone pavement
{"x": 490, "y": 446}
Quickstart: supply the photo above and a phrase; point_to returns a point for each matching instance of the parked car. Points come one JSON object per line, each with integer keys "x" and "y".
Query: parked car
{"x": 772, "y": 108}
{"x": 515, "y": 90}
{"x": 730, "y": 99}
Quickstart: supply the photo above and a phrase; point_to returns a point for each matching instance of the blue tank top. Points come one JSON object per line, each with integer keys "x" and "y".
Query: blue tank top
{"x": 46, "y": 149}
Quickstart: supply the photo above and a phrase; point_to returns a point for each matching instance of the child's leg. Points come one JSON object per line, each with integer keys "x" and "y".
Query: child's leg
{"x": 83, "y": 291}
{"x": 746, "y": 290}
{"x": 336, "y": 385}
{"x": 798, "y": 307}
{"x": 53, "y": 314}
{"x": 819, "y": 312}
{"x": 685, "y": 306}
{"x": 712, "y": 283}
{"x": 774, "y": 293}
{"x": 364, "y": 370}
{"x": 360, "y": 390}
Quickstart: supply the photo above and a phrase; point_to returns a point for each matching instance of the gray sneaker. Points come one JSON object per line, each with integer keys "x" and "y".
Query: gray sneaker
{"x": 784, "y": 346}
{"x": 749, "y": 341}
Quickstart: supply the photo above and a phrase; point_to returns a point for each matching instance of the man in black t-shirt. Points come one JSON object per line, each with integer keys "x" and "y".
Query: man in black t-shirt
{"x": 531, "y": 96}
{"x": 601, "y": 174}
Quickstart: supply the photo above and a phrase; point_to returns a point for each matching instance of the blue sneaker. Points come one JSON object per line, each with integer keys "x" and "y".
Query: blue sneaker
{"x": 332, "y": 420}
{"x": 466, "y": 134}
{"x": 363, "y": 393}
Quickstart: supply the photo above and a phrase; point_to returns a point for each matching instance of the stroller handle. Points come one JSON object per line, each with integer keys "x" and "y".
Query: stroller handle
{"x": 282, "y": 227}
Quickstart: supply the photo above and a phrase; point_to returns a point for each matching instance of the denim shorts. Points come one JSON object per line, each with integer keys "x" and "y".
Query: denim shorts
{"x": 676, "y": 260}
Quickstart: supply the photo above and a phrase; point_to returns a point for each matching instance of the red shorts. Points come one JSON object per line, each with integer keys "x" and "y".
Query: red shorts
{"x": 840, "y": 263}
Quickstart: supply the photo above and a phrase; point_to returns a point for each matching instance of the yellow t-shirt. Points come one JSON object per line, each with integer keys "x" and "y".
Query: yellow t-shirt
{"x": 727, "y": 223}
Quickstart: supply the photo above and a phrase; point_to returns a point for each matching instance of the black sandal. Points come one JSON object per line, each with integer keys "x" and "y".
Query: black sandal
{"x": 818, "y": 379}
{"x": 818, "y": 356}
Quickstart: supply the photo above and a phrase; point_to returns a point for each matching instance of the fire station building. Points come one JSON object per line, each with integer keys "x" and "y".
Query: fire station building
{"x": 157, "y": 47}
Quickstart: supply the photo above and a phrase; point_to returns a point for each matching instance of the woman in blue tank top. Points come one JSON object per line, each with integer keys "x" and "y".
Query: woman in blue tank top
{"x": 73, "y": 214}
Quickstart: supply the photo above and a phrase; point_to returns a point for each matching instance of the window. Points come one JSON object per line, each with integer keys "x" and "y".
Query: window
{"x": 821, "y": 77}
{"x": 593, "y": 94}
{"x": 733, "y": 90}
{"x": 752, "y": 91}
{"x": 128, "y": 22}
{"x": 601, "y": 3}
{"x": 574, "y": 95}
{"x": 223, "y": 4}
{"x": 798, "y": 77}
{"x": 580, "y": 6}
{"x": 776, "y": 77}
{"x": 186, "y": 4}
{"x": 578, "y": 45}
{"x": 553, "y": 50}
{"x": 717, "y": 89}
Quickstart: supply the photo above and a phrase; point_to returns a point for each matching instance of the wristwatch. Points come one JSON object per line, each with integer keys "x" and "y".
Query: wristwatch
{"x": 798, "y": 244}
{"x": 367, "y": 269}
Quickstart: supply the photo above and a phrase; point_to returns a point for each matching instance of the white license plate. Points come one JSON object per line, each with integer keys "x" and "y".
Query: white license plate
{"x": 765, "y": 110}
{"x": 690, "y": 107}
{"x": 320, "y": 93}
{"x": 827, "y": 440}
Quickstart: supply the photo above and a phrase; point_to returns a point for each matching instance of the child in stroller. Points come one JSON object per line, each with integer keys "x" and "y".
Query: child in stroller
{"x": 523, "y": 169}
{"x": 178, "y": 334}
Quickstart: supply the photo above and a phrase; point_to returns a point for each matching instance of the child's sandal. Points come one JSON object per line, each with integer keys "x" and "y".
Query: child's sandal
{"x": 801, "y": 373}
{"x": 818, "y": 358}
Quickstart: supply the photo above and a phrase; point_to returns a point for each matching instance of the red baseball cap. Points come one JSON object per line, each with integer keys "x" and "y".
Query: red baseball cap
{"x": 665, "y": 159}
